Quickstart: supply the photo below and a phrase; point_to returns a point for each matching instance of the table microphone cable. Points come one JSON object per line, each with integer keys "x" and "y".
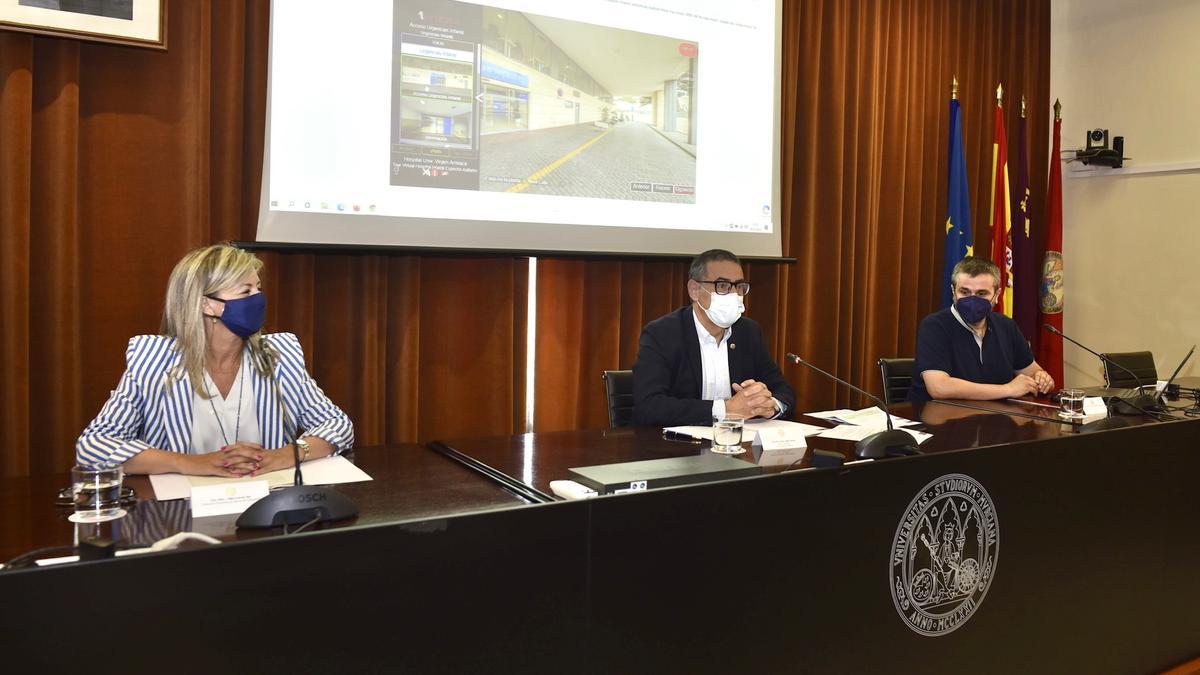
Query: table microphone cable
{"x": 52, "y": 555}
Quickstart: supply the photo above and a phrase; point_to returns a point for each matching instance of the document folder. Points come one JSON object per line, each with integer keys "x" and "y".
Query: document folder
{"x": 656, "y": 473}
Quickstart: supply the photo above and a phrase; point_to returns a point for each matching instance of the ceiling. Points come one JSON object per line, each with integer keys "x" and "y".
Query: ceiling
{"x": 624, "y": 62}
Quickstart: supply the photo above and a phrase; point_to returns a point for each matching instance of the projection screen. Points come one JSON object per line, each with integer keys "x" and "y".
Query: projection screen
{"x": 602, "y": 126}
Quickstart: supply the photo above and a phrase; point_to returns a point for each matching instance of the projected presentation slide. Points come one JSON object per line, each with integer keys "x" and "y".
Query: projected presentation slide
{"x": 541, "y": 125}
{"x": 485, "y": 98}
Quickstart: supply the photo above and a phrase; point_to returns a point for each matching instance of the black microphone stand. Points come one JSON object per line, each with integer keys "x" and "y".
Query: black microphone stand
{"x": 1140, "y": 404}
{"x": 891, "y": 443}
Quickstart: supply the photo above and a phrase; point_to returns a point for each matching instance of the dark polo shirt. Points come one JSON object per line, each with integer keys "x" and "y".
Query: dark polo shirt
{"x": 945, "y": 344}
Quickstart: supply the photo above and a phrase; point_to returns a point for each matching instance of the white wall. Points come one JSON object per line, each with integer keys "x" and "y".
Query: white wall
{"x": 1131, "y": 242}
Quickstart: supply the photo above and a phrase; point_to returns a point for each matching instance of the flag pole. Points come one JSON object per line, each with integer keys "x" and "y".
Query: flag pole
{"x": 954, "y": 88}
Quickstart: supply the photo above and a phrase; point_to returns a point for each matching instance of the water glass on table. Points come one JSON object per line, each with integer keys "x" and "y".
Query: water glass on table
{"x": 1071, "y": 401}
{"x": 96, "y": 493}
{"x": 727, "y": 433}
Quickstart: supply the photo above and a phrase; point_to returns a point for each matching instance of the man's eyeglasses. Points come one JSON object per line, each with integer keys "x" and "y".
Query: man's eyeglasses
{"x": 725, "y": 286}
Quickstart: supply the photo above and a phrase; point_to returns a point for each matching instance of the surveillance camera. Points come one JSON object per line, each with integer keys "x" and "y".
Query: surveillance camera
{"x": 1097, "y": 139}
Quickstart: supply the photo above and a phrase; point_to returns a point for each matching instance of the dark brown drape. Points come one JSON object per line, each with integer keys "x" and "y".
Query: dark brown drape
{"x": 589, "y": 317}
{"x": 865, "y": 112}
{"x": 115, "y": 161}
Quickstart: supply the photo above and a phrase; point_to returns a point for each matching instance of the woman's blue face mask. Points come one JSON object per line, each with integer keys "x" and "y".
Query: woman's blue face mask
{"x": 243, "y": 316}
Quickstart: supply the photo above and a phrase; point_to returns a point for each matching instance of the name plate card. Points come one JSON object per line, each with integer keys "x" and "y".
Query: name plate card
{"x": 781, "y": 438}
{"x": 225, "y": 498}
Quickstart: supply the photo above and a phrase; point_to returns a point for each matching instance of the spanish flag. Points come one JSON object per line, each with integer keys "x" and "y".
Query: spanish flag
{"x": 1001, "y": 222}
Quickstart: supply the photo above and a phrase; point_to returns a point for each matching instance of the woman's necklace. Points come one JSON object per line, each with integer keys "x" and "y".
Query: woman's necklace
{"x": 238, "y": 428}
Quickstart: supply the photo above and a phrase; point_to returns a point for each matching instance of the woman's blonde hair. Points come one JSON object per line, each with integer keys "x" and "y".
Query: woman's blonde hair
{"x": 206, "y": 271}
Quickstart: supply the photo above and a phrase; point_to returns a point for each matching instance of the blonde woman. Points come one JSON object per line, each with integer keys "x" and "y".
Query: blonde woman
{"x": 212, "y": 395}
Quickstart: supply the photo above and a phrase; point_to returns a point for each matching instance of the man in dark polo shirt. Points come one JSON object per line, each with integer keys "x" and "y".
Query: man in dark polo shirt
{"x": 967, "y": 351}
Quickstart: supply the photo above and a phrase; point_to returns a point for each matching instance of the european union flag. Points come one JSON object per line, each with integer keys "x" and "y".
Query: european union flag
{"x": 959, "y": 241}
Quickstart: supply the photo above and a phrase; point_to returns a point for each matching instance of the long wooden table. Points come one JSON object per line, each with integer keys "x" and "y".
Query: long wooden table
{"x": 527, "y": 463}
{"x": 410, "y": 483}
{"x": 1078, "y": 556}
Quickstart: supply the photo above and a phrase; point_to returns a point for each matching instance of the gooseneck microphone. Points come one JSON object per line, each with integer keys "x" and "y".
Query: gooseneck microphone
{"x": 1132, "y": 405}
{"x": 890, "y": 443}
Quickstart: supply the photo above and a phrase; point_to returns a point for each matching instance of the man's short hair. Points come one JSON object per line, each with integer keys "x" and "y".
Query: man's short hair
{"x": 700, "y": 263}
{"x": 974, "y": 266}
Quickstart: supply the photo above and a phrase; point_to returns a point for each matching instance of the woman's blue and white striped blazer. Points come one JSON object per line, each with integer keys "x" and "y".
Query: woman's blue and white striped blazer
{"x": 150, "y": 409}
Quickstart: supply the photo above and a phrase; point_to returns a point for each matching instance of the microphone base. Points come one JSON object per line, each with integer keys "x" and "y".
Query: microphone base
{"x": 1129, "y": 405}
{"x": 297, "y": 505}
{"x": 890, "y": 443}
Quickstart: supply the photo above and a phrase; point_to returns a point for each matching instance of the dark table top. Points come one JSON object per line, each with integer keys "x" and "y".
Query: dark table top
{"x": 534, "y": 460}
{"x": 410, "y": 482}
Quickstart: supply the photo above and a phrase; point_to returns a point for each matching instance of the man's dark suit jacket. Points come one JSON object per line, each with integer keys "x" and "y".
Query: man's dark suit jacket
{"x": 667, "y": 374}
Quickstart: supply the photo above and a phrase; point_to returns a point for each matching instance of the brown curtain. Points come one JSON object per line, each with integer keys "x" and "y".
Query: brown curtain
{"x": 865, "y": 112}
{"x": 115, "y": 161}
{"x": 589, "y": 317}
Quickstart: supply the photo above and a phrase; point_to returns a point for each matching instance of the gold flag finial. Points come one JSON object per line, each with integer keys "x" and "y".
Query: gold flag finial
{"x": 1022, "y": 107}
{"x": 1057, "y": 111}
{"x": 953, "y": 88}
{"x": 1000, "y": 95}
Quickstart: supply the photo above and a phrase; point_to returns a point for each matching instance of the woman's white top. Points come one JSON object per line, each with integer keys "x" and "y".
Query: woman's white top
{"x": 211, "y": 416}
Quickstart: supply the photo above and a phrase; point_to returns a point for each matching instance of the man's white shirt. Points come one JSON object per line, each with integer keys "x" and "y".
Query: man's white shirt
{"x": 714, "y": 359}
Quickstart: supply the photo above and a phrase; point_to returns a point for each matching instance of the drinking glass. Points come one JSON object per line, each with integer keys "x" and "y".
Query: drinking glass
{"x": 96, "y": 493}
{"x": 1071, "y": 401}
{"x": 727, "y": 433}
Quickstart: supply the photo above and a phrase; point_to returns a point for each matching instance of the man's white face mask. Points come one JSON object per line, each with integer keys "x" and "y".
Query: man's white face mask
{"x": 724, "y": 310}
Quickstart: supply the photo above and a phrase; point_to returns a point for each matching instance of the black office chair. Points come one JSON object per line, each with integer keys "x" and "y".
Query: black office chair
{"x": 618, "y": 385}
{"x": 1140, "y": 363}
{"x": 897, "y": 377}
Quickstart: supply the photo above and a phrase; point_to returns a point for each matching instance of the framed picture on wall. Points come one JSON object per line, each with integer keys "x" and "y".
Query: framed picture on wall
{"x": 138, "y": 23}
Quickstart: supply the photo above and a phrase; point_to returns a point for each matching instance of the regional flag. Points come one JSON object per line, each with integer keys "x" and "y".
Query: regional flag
{"x": 959, "y": 242}
{"x": 1001, "y": 224}
{"x": 1024, "y": 290}
{"x": 1050, "y": 347}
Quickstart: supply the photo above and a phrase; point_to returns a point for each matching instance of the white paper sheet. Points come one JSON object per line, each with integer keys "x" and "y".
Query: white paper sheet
{"x": 829, "y": 414}
{"x": 854, "y": 432}
{"x": 324, "y": 471}
{"x": 873, "y": 417}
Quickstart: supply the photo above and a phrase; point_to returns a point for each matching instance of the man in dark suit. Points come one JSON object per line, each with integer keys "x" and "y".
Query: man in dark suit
{"x": 704, "y": 360}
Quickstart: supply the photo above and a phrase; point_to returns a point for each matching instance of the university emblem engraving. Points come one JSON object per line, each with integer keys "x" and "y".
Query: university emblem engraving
{"x": 944, "y": 555}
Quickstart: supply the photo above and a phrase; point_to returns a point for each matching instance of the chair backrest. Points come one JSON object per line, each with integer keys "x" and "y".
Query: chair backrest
{"x": 897, "y": 377}
{"x": 1141, "y": 363}
{"x": 618, "y": 386}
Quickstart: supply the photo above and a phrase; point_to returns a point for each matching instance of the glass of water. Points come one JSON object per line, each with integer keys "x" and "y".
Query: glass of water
{"x": 727, "y": 434}
{"x": 1071, "y": 401}
{"x": 96, "y": 493}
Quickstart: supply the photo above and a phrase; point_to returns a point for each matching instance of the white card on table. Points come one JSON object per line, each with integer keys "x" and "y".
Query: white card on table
{"x": 225, "y": 498}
